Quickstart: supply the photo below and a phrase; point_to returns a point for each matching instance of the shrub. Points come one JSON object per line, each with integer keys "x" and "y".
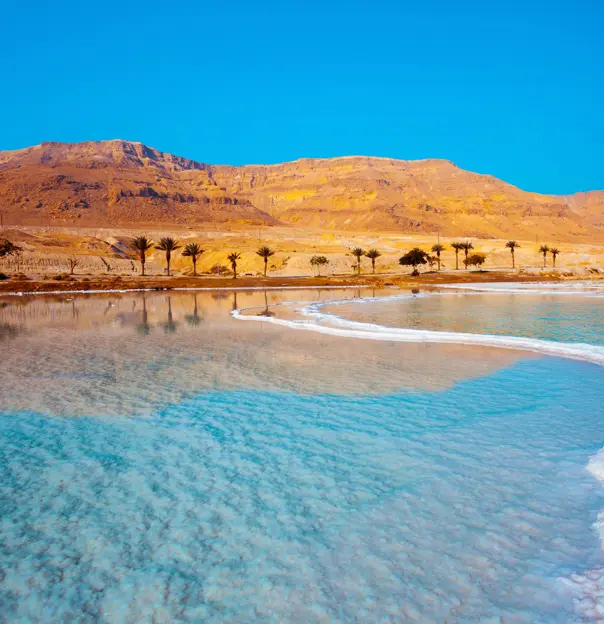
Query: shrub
{"x": 414, "y": 258}
{"x": 3, "y": 276}
{"x": 477, "y": 259}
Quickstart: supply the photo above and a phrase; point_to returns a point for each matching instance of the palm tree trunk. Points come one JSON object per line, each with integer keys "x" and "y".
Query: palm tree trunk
{"x": 456, "y": 260}
{"x": 438, "y": 259}
{"x": 194, "y": 267}
{"x": 265, "y": 265}
{"x": 168, "y": 261}
{"x": 143, "y": 265}
{"x": 554, "y": 260}
{"x": 513, "y": 260}
{"x": 373, "y": 265}
{"x": 544, "y": 260}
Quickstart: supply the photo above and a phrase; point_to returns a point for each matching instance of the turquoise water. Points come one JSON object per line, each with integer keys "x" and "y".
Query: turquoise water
{"x": 196, "y": 468}
{"x": 563, "y": 318}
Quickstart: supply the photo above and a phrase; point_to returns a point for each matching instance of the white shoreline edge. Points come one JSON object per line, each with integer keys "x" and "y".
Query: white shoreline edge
{"x": 338, "y": 326}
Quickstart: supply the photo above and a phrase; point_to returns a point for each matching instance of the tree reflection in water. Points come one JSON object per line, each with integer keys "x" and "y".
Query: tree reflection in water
{"x": 170, "y": 324}
{"x": 143, "y": 327}
{"x": 266, "y": 311}
{"x": 194, "y": 319}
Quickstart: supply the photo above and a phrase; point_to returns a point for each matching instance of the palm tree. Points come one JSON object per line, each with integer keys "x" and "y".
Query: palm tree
{"x": 544, "y": 249}
{"x": 193, "y": 251}
{"x": 232, "y": 258}
{"x": 168, "y": 245}
{"x": 512, "y": 246}
{"x": 466, "y": 246}
{"x": 358, "y": 253}
{"x": 142, "y": 244}
{"x": 554, "y": 251}
{"x": 265, "y": 252}
{"x": 457, "y": 247}
{"x": 373, "y": 255}
{"x": 437, "y": 249}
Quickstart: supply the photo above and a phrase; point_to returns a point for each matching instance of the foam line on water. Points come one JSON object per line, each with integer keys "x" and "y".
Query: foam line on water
{"x": 331, "y": 324}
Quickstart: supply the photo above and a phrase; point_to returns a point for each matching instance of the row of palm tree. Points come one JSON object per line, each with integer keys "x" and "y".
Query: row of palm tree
{"x": 143, "y": 244}
{"x": 457, "y": 246}
{"x": 372, "y": 254}
{"x": 465, "y": 246}
{"x": 544, "y": 249}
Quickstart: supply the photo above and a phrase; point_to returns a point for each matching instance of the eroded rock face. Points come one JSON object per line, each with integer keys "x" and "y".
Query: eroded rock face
{"x": 114, "y": 182}
{"x": 125, "y": 183}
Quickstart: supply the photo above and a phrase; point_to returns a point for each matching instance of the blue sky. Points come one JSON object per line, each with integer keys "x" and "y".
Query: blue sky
{"x": 512, "y": 88}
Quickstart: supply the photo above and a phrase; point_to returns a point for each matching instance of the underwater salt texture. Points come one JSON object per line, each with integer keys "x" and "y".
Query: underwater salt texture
{"x": 163, "y": 461}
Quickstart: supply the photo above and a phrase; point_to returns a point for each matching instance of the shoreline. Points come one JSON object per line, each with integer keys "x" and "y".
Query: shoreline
{"x": 99, "y": 285}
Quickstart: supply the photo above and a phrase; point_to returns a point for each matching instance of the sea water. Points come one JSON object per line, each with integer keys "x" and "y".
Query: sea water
{"x": 549, "y": 312}
{"x": 162, "y": 461}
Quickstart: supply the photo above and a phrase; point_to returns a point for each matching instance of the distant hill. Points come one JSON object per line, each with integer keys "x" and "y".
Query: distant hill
{"x": 123, "y": 183}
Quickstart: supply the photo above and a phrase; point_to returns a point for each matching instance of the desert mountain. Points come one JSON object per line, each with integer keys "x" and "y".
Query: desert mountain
{"x": 114, "y": 183}
{"x": 120, "y": 182}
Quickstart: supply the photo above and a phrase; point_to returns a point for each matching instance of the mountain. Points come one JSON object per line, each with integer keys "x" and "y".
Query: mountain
{"x": 114, "y": 183}
{"x": 125, "y": 183}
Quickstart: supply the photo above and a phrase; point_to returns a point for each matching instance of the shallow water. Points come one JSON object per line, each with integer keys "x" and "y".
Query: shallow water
{"x": 163, "y": 461}
{"x": 572, "y": 317}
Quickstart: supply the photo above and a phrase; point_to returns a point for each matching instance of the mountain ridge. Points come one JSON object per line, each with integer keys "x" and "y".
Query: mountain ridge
{"x": 130, "y": 183}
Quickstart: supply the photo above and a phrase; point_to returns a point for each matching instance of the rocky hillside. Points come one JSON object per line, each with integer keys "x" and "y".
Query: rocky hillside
{"x": 118, "y": 182}
{"x": 114, "y": 183}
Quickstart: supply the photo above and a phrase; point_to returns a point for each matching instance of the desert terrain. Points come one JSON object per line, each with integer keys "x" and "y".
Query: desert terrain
{"x": 76, "y": 208}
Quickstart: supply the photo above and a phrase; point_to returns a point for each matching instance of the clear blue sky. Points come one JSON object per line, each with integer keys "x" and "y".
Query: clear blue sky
{"x": 514, "y": 88}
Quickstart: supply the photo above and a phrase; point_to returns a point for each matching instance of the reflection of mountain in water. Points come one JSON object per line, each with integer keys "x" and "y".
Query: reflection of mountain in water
{"x": 186, "y": 357}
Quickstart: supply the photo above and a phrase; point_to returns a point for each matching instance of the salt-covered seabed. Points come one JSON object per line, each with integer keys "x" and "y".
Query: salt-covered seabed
{"x": 252, "y": 491}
